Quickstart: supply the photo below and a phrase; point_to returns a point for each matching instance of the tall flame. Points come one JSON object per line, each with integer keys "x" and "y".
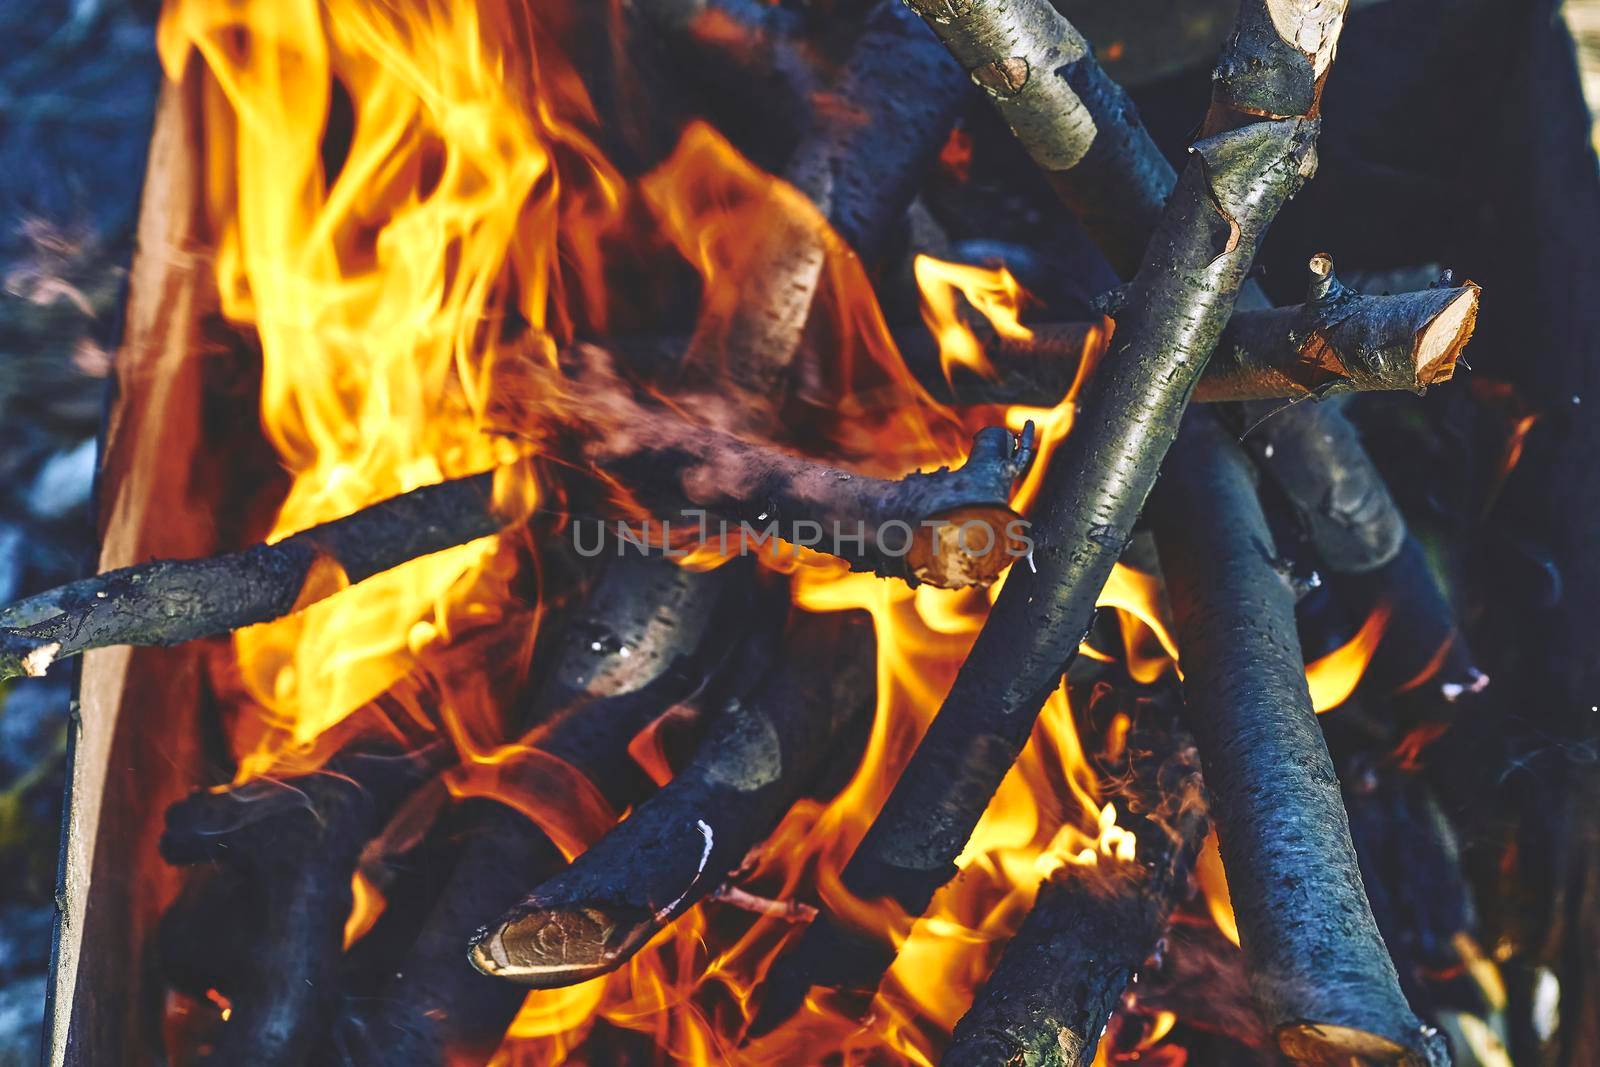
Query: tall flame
{"x": 382, "y": 195}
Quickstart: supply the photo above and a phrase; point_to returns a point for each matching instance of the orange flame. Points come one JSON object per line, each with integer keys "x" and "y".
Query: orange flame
{"x": 1333, "y": 677}
{"x": 993, "y": 292}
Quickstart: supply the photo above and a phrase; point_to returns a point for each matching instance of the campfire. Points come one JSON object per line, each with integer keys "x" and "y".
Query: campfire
{"x": 726, "y": 532}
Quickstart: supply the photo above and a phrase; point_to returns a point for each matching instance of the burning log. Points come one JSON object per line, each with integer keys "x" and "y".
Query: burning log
{"x": 297, "y": 844}
{"x": 1093, "y": 925}
{"x": 953, "y": 528}
{"x": 1083, "y": 131}
{"x": 890, "y": 113}
{"x": 1336, "y": 342}
{"x": 1319, "y": 968}
{"x": 167, "y": 602}
{"x": 1177, "y": 306}
{"x": 679, "y": 467}
{"x": 858, "y": 164}
{"x": 640, "y": 644}
{"x": 679, "y": 845}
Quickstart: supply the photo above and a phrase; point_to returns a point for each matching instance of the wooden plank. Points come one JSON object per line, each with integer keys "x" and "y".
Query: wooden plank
{"x": 125, "y": 768}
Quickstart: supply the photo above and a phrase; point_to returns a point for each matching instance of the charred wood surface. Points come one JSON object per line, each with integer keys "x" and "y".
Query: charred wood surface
{"x": 871, "y": 523}
{"x": 297, "y": 844}
{"x": 642, "y": 641}
{"x": 1319, "y": 968}
{"x": 1176, "y": 309}
{"x": 1093, "y": 925}
{"x": 166, "y": 602}
{"x": 1343, "y": 343}
{"x": 1082, "y": 129}
{"x": 677, "y": 847}
{"x": 677, "y": 466}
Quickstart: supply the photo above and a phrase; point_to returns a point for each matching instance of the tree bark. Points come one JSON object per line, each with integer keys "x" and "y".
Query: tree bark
{"x": 1319, "y": 969}
{"x": 1083, "y": 131}
{"x": 678, "y": 846}
{"x": 1177, "y": 306}
{"x": 1092, "y": 927}
{"x": 1343, "y": 342}
{"x": 166, "y": 602}
{"x": 858, "y": 163}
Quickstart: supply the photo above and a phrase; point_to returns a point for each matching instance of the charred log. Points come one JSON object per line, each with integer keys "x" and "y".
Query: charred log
{"x": 1093, "y": 925}
{"x": 297, "y": 844}
{"x": 1319, "y": 968}
{"x": 1077, "y": 124}
{"x": 950, "y": 528}
{"x": 1337, "y": 342}
{"x": 1176, "y": 309}
{"x": 679, "y": 469}
{"x": 640, "y": 644}
{"x": 678, "y": 846}
{"x": 858, "y": 164}
{"x": 170, "y": 601}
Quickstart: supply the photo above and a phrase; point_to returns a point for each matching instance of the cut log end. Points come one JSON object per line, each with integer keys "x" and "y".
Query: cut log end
{"x": 1310, "y": 27}
{"x": 971, "y": 547}
{"x": 1328, "y": 1045}
{"x": 1439, "y": 343}
{"x": 548, "y": 949}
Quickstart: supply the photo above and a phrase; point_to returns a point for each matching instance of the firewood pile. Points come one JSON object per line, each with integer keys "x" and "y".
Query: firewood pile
{"x": 904, "y": 549}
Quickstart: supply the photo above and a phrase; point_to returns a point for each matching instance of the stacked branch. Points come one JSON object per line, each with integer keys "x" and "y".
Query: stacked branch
{"x": 641, "y": 643}
{"x": 679, "y": 468}
{"x": 1093, "y": 925}
{"x": 1318, "y": 967}
{"x": 1082, "y": 129}
{"x": 763, "y": 749}
{"x": 295, "y": 846}
{"x": 1337, "y": 342}
{"x": 1128, "y": 414}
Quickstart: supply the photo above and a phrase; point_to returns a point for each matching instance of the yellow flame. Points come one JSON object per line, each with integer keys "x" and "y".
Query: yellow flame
{"x": 1214, "y": 885}
{"x": 992, "y": 291}
{"x": 366, "y": 904}
{"x": 378, "y": 248}
{"x": 1333, "y": 677}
